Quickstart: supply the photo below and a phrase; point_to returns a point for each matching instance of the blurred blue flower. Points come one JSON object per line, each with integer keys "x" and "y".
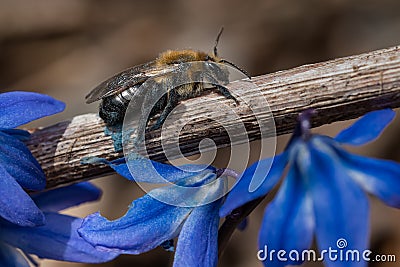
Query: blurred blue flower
{"x": 58, "y": 239}
{"x": 18, "y": 168}
{"x": 187, "y": 208}
{"x": 323, "y": 192}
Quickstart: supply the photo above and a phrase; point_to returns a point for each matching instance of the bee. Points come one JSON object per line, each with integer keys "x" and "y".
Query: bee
{"x": 116, "y": 92}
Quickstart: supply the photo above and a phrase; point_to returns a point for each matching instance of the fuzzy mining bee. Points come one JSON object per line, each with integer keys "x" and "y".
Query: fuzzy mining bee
{"x": 116, "y": 92}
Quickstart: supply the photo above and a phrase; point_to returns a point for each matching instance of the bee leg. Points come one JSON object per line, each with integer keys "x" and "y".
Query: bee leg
{"x": 222, "y": 89}
{"x": 225, "y": 92}
{"x": 172, "y": 102}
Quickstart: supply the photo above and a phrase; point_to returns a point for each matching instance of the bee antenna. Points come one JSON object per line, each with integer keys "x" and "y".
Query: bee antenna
{"x": 217, "y": 40}
{"x": 236, "y": 67}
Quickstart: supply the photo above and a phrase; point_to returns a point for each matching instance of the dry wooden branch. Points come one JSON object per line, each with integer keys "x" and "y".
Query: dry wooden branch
{"x": 339, "y": 89}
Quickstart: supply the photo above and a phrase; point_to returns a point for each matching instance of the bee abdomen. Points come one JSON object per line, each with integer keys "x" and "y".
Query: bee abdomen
{"x": 125, "y": 96}
{"x": 112, "y": 110}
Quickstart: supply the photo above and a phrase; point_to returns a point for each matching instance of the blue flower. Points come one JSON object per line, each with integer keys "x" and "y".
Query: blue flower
{"x": 58, "y": 239}
{"x": 187, "y": 208}
{"x": 18, "y": 168}
{"x": 323, "y": 193}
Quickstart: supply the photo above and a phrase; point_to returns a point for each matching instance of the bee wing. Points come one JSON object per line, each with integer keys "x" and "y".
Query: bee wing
{"x": 120, "y": 82}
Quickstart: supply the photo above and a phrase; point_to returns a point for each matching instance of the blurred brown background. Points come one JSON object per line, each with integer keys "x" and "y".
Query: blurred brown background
{"x": 65, "y": 47}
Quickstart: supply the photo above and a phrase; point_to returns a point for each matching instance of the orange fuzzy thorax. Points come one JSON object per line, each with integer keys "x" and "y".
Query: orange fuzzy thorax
{"x": 180, "y": 56}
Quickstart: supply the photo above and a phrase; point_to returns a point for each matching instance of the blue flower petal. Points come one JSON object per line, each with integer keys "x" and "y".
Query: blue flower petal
{"x": 288, "y": 222}
{"x": 259, "y": 171}
{"x": 340, "y": 205}
{"x": 18, "y": 108}
{"x": 14, "y": 139}
{"x": 65, "y": 197}
{"x": 148, "y": 171}
{"x": 9, "y": 256}
{"x": 198, "y": 239}
{"x": 15, "y": 204}
{"x": 146, "y": 225}
{"x": 197, "y": 191}
{"x": 378, "y": 177}
{"x": 20, "y": 164}
{"x": 367, "y": 128}
{"x": 21, "y": 135}
{"x": 58, "y": 239}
